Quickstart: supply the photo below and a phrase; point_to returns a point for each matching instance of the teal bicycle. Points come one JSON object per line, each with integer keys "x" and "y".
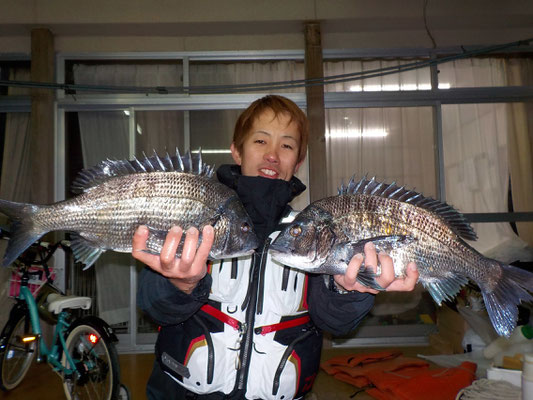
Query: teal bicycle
{"x": 82, "y": 352}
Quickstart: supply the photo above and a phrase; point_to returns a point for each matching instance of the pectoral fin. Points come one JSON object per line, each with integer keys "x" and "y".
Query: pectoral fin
{"x": 367, "y": 276}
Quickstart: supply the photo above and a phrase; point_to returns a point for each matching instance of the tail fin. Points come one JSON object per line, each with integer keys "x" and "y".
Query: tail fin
{"x": 23, "y": 230}
{"x": 501, "y": 302}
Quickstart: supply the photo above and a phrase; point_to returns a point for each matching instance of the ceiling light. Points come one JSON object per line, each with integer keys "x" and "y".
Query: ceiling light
{"x": 352, "y": 133}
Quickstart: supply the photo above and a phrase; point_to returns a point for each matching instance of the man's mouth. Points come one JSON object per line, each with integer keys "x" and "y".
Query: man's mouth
{"x": 268, "y": 173}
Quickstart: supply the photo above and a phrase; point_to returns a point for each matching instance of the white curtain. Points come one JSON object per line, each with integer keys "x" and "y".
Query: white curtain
{"x": 106, "y": 135}
{"x": 476, "y": 155}
{"x": 398, "y": 143}
{"x": 520, "y": 73}
{"x": 388, "y": 143}
{"x": 204, "y": 74}
{"x": 416, "y": 79}
{"x": 392, "y": 144}
{"x": 15, "y": 182}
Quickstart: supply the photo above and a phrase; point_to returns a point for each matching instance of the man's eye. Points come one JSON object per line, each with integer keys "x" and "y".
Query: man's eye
{"x": 288, "y": 146}
{"x": 259, "y": 141}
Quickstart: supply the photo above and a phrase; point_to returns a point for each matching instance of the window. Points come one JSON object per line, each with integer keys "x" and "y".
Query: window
{"x": 394, "y": 126}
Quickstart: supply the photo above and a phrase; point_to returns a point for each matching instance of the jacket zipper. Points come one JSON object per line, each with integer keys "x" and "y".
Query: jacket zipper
{"x": 259, "y": 260}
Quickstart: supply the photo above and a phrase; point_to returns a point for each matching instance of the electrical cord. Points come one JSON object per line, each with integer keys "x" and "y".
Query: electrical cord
{"x": 490, "y": 389}
{"x": 253, "y": 87}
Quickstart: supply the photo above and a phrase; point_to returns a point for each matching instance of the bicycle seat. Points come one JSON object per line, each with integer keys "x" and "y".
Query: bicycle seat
{"x": 58, "y": 303}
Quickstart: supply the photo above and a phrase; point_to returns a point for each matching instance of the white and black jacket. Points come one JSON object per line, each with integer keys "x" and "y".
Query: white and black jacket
{"x": 252, "y": 327}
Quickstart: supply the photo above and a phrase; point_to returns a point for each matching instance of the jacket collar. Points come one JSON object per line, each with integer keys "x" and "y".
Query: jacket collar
{"x": 265, "y": 200}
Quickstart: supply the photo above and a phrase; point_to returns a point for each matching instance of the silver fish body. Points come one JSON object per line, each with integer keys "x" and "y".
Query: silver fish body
{"x": 409, "y": 227}
{"x": 118, "y": 196}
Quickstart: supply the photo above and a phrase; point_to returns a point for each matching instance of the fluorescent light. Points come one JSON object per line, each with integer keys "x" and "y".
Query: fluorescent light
{"x": 214, "y": 151}
{"x": 352, "y": 133}
{"x": 395, "y": 87}
{"x": 444, "y": 86}
{"x": 372, "y": 88}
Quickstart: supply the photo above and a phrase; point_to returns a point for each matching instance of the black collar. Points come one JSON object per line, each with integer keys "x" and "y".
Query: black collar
{"x": 265, "y": 200}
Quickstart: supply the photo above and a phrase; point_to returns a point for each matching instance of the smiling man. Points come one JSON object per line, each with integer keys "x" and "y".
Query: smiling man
{"x": 250, "y": 328}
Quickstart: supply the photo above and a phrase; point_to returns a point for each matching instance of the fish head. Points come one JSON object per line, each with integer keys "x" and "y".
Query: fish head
{"x": 305, "y": 243}
{"x": 234, "y": 234}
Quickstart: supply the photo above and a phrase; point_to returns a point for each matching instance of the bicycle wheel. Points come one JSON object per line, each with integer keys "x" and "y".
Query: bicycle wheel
{"x": 97, "y": 374}
{"x": 15, "y": 356}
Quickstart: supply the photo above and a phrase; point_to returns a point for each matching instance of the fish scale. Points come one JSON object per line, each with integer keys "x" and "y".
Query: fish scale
{"x": 325, "y": 236}
{"x": 118, "y": 196}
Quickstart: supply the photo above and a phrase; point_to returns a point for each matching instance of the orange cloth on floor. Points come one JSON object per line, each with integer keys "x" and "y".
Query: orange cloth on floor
{"x": 354, "y": 360}
{"x": 354, "y": 369}
{"x": 394, "y": 377}
{"x": 422, "y": 383}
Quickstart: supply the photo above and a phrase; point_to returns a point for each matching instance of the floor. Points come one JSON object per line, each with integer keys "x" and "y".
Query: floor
{"x": 42, "y": 383}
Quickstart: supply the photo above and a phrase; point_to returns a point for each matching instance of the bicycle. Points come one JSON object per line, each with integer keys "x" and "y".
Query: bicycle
{"x": 82, "y": 353}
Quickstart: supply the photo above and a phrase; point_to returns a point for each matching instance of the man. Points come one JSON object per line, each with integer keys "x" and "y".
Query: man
{"x": 250, "y": 328}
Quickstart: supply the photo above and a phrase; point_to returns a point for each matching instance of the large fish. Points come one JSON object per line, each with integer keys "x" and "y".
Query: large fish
{"x": 409, "y": 227}
{"x": 118, "y": 196}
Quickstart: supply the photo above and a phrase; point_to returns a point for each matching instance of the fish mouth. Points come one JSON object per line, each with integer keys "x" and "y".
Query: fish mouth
{"x": 236, "y": 254}
{"x": 277, "y": 248}
{"x": 285, "y": 257}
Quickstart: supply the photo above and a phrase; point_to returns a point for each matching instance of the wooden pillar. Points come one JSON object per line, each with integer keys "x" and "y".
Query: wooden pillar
{"x": 315, "y": 112}
{"x": 42, "y": 117}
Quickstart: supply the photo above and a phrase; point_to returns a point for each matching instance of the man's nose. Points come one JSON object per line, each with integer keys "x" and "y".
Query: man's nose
{"x": 272, "y": 155}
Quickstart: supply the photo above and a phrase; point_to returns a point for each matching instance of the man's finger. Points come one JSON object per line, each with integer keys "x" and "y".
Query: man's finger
{"x": 139, "y": 238}
{"x": 168, "y": 252}
{"x": 407, "y": 283}
{"x": 411, "y": 277}
{"x": 371, "y": 257}
{"x": 353, "y": 269}
{"x": 190, "y": 247}
{"x": 208, "y": 237}
{"x": 387, "y": 270}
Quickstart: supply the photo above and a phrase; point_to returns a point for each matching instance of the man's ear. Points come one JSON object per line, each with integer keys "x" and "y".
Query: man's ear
{"x": 235, "y": 154}
{"x": 298, "y": 165}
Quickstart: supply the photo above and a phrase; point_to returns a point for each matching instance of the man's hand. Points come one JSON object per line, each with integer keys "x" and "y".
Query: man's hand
{"x": 184, "y": 272}
{"x": 386, "y": 280}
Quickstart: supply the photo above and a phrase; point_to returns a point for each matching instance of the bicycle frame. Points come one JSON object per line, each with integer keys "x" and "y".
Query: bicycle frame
{"x": 52, "y": 354}
{"x": 82, "y": 350}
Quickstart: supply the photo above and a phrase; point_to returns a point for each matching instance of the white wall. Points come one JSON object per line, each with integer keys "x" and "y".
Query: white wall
{"x": 196, "y": 25}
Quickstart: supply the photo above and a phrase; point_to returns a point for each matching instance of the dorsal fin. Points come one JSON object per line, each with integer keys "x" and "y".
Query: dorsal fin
{"x": 454, "y": 218}
{"x": 107, "y": 169}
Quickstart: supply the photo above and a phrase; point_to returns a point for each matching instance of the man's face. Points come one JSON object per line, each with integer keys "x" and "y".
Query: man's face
{"x": 271, "y": 149}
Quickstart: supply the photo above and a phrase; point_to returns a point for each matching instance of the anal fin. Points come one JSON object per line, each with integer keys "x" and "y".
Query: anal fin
{"x": 445, "y": 288}
{"x": 85, "y": 250}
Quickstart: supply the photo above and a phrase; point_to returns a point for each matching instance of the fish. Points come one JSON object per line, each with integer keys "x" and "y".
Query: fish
{"x": 114, "y": 197}
{"x": 408, "y": 226}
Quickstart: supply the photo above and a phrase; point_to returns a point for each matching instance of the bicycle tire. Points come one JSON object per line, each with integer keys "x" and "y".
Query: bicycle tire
{"x": 15, "y": 357}
{"x": 97, "y": 366}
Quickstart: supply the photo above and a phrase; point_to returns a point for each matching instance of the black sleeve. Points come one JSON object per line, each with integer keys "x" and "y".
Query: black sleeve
{"x": 333, "y": 312}
{"x": 165, "y": 303}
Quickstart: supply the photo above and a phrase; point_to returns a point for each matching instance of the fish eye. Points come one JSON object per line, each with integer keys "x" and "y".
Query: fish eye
{"x": 245, "y": 228}
{"x": 295, "y": 230}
